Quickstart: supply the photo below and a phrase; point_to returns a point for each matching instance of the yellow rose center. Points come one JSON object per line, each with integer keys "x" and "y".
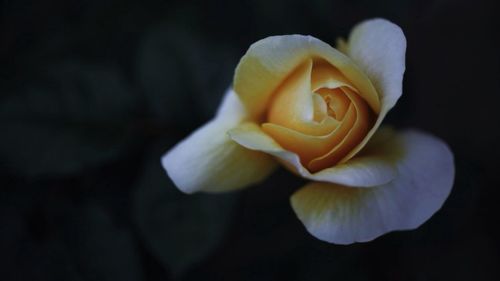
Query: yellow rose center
{"x": 318, "y": 114}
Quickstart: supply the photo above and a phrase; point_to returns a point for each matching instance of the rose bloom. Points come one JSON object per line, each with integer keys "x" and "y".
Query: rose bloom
{"x": 317, "y": 110}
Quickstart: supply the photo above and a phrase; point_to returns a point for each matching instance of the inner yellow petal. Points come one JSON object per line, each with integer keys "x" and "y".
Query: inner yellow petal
{"x": 320, "y": 108}
{"x": 317, "y": 114}
{"x": 269, "y": 62}
{"x": 309, "y": 147}
{"x": 363, "y": 122}
{"x": 325, "y": 75}
{"x": 292, "y": 104}
{"x": 337, "y": 101}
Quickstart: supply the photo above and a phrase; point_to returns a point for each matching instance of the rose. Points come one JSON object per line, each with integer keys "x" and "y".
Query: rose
{"x": 318, "y": 111}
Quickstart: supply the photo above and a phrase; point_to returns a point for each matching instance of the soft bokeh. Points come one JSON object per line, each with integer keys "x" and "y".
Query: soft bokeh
{"x": 92, "y": 93}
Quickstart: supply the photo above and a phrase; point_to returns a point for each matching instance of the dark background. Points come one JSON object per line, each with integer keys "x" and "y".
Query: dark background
{"x": 92, "y": 93}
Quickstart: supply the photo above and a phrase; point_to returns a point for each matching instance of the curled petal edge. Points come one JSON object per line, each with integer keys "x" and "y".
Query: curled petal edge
{"x": 344, "y": 215}
{"x": 376, "y": 164}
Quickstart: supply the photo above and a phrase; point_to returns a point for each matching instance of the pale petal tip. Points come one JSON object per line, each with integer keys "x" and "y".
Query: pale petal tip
{"x": 209, "y": 161}
{"x": 170, "y": 165}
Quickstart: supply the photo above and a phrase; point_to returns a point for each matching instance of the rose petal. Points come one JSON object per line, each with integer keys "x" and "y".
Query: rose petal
{"x": 231, "y": 108}
{"x": 363, "y": 121}
{"x": 378, "y": 47}
{"x": 208, "y": 160}
{"x": 310, "y": 147}
{"x": 293, "y": 104}
{"x": 373, "y": 167}
{"x": 269, "y": 61}
{"x": 325, "y": 75}
{"x": 344, "y": 215}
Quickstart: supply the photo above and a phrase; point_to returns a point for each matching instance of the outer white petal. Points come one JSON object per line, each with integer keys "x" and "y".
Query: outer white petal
{"x": 374, "y": 166}
{"x": 231, "y": 109}
{"x": 208, "y": 160}
{"x": 378, "y": 47}
{"x": 343, "y": 215}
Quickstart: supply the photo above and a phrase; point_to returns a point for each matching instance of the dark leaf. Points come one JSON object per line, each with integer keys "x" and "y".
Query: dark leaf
{"x": 74, "y": 117}
{"x": 179, "y": 229}
{"x": 103, "y": 249}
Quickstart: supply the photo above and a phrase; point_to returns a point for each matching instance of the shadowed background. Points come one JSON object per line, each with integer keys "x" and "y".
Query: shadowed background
{"x": 92, "y": 93}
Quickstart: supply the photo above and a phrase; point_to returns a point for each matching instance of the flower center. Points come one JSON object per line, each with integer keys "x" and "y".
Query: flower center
{"x": 318, "y": 114}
